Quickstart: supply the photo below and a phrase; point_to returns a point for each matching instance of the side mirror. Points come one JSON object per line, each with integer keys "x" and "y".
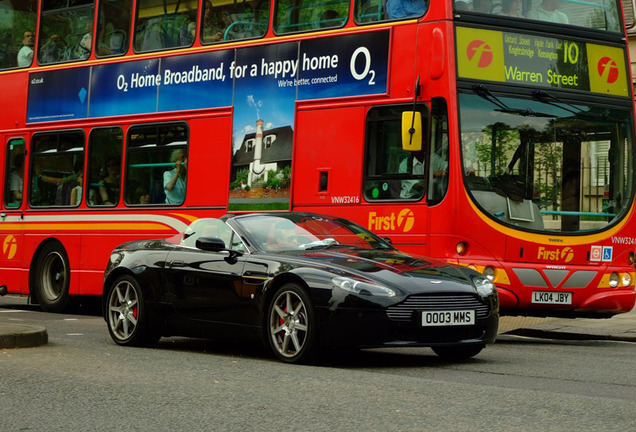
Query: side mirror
{"x": 213, "y": 244}
{"x": 411, "y": 131}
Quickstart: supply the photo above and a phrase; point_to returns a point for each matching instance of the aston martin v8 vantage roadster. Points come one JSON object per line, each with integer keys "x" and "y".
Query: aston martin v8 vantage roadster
{"x": 301, "y": 283}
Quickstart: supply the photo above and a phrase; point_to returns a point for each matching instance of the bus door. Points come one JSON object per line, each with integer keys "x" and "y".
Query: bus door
{"x": 11, "y": 215}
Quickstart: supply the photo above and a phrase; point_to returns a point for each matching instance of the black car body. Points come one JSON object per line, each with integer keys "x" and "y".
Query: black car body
{"x": 299, "y": 282}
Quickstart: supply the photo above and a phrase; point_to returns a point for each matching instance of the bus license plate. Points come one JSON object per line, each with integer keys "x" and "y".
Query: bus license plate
{"x": 448, "y": 318}
{"x": 550, "y": 297}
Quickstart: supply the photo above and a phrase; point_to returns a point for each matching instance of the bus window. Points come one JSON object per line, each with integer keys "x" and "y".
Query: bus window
{"x": 113, "y": 28}
{"x": 369, "y": 11}
{"x": 66, "y": 31}
{"x": 438, "y": 152}
{"x": 223, "y": 21}
{"x": 597, "y": 14}
{"x": 156, "y": 164}
{"x": 298, "y": 15}
{"x": 104, "y": 166}
{"x": 391, "y": 173}
{"x": 165, "y": 24}
{"x": 17, "y": 33}
{"x": 57, "y": 169}
{"x": 14, "y": 174}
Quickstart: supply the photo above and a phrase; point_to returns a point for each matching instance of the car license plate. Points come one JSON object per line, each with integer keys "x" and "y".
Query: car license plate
{"x": 451, "y": 317}
{"x": 551, "y": 297}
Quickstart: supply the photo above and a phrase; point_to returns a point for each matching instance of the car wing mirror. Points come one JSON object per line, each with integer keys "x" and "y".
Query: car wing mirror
{"x": 215, "y": 244}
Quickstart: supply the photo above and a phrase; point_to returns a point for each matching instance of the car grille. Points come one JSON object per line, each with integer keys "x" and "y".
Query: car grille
{"x": 405, "y": 311}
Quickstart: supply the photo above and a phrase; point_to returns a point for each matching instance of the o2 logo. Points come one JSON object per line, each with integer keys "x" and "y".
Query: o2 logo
{"x": 366, "y": 62}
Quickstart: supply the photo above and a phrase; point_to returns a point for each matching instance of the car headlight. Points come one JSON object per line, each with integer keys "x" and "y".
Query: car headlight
{"x": 363, "y": 288}
{"x": 485, "y": 287}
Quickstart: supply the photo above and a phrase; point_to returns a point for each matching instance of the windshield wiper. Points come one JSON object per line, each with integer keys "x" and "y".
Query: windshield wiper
{"x": 550, "y": 99}
{"x": 483, "y": 92}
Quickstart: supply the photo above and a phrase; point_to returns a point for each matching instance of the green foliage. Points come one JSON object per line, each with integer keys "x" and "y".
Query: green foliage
{"x": 279, "y": 179}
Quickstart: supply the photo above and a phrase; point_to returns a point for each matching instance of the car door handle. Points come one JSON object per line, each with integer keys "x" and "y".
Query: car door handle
{"x": 177, "y": 263}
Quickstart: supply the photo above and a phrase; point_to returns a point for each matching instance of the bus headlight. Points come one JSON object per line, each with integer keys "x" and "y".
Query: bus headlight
{"x": 489, "y": 272}
{"x": 613, "y": 280}
{"x": 627, "y": 279}
{"x": 485, "y": 287}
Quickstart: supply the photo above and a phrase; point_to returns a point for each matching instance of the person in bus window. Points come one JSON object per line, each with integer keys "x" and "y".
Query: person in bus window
{"x": 76, "y": 192}
{"x": 84, "y": 47}
{"x": 25, "y": 55}
{"x": 211, "y": 27}
{"x": 109, "y": 189}
{"x": 16, "y": 179}
{"x": 174, "y": 181}
{"x": 549, "y": 11}
{"x": 413, "y": 164}
{"x": 405, "y": 8}
{"x": 483, "y": 6}
{"x": 511, "y": 8}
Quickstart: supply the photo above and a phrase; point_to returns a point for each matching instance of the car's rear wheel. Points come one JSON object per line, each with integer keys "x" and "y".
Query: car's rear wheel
{"x": 51, "y": 278}
{"x": 291, "y": 325}
{"x": 457, "y": 352}
{"x": 128, "y": 324}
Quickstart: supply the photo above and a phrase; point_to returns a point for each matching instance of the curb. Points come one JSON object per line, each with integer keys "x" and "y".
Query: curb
{"x": 22, "y": 336}
{"x": 563, "y": 334}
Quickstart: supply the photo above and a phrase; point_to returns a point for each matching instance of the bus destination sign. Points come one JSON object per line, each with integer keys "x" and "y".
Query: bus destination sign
{"x": 540, "y": 61}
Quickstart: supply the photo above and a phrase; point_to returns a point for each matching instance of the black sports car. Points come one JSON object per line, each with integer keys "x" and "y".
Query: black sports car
{"x": 299, "y": 282}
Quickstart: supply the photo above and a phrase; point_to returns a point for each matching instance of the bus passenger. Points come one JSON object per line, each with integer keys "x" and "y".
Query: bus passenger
{"x": 76, "y": 192}
{"x": 329, "y": 18}
{"x": 511, "y": 8}
{"x": 405, "y": 8}
{"x": 25, "y": 55}
{"x": 174, "y": 181}
{"x": 413, "y": 188}
{"x": 16, "y": 179}
{"x": 109, "y": 189}
{"x": 549, "y": 11}
{"x": 211, "y": 26}
{"x": 483, "y": 6}
{"x": 84, "y": 47}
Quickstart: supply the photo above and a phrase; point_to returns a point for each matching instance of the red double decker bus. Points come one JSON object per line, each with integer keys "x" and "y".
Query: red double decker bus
{"x": 494, "y": 134}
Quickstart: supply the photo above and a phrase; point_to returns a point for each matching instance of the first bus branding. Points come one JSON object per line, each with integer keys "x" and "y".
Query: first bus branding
{"x": 535, "y": 60}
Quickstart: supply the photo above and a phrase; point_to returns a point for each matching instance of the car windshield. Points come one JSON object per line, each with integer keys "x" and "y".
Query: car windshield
{"x": 274, "y": 233}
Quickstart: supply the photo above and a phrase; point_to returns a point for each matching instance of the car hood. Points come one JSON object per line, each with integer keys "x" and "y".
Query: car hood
{"x": 408, "y": 272}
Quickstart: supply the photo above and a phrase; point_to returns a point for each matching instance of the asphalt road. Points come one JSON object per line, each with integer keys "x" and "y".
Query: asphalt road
{"x": 82, "y": 381}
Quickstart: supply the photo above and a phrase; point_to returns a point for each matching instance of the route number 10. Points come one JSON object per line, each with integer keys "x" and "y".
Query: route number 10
{"x": 570, "y": 53}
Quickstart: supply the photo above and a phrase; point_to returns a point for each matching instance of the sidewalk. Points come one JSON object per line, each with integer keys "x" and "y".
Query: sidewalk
{"x": 618, "y": 328}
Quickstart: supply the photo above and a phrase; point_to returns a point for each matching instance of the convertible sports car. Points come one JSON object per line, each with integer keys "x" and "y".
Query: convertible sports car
{"x": 299, "y": 282}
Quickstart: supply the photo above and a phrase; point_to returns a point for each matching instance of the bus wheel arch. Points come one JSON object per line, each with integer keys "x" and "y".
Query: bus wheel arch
{"x": 50, "y": 276}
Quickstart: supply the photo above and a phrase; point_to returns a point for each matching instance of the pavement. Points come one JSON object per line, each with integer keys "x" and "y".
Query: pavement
{"x": 620, "y": 327}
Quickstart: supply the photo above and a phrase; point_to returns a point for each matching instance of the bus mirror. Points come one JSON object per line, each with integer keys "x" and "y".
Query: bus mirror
{"x": 411, "y": 131}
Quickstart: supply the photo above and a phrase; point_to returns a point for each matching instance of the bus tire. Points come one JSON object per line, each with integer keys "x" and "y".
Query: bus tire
{"x": 51, "y": 278}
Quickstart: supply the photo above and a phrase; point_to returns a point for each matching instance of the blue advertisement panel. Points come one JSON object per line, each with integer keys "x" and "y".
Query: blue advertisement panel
{"x": 124, "y": 88}
{"x": 58, "y": 95}
{"x": 341, "y": 66}
{"x": 354, "y": 65}
{"x": 196, "y": 81}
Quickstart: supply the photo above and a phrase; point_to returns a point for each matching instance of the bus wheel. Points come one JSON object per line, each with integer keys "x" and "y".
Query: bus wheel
{"x": 52, "y": 277}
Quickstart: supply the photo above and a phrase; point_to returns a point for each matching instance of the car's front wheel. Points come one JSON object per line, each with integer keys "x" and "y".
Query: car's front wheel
{"x": 128, "y": 324}
{"x": 291, "y": 325}
{"x": 457, "y": 352}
